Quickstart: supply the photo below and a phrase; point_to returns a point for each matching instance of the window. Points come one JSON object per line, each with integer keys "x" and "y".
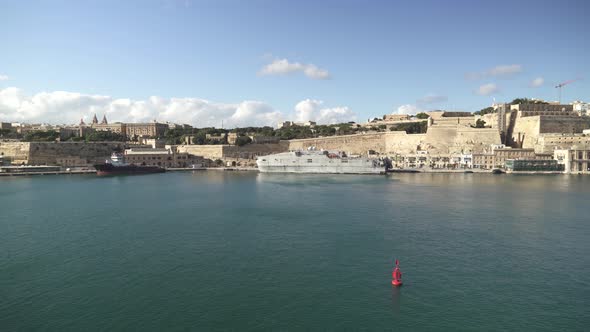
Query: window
{"x": 344, "y": 161}
{"x": 309, "y": 160}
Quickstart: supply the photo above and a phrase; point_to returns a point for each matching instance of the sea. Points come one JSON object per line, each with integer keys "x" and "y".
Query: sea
{"x": 243, "y": 251}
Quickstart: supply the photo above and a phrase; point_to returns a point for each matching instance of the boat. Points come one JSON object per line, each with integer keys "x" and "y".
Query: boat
{"x": 323, "y": 162}
{"x": 117, "y": 166}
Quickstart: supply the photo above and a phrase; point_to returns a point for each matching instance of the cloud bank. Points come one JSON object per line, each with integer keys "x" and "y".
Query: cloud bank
{"x": 501, "y": 71}
{"x": 409, "y": 109}
{"x": 487, "y": 89}
{"x": 63, "y": 107}
{"x": 432, "y": 99}
{"x": 537, "y": 82}
{"x": 311, "y": 110}
{"x": 3, "y": 77}
{"x": 284, "y": 67}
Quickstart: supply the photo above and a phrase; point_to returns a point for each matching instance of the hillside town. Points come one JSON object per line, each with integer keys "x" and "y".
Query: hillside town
{"x": 525, "y": 135}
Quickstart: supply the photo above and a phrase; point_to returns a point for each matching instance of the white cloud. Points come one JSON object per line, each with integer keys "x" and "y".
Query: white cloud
{"x": 487, "y": 89}
{"x": 61, "y": 107}
{"x": 284, "y": 67}
{"x": 311, "y": 110}
{"x": 537, "y": 82}
{"x": 3, "y": 77}
{"x": 501, "y": 71}
{"x": 69, "y": 107}
{"x": 432, "y": 99}
{"x": 409, "y": 109}
{"x": 505, "y": 70}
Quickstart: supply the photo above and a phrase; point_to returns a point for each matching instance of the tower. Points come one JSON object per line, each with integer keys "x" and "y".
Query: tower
{"x": 104, "y": 119}
{"x": 94, "y": 119}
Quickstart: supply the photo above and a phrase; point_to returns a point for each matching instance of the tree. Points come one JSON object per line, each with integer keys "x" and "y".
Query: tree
{"x": 411, "y": 127}
{"x": 480, "y": 123}
{"x": 105, "y": 136}
{"x": 422, "y": 115}
{"x": 484, "y": 111}
{"x": 243, "y": 140}
{"x": 41, "y": 136}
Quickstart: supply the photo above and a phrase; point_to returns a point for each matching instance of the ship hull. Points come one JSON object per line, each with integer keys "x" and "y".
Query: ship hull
{"x": 108, "y": 169}
{"x": 317, "y": 162}
{"x": 319, "y": 169}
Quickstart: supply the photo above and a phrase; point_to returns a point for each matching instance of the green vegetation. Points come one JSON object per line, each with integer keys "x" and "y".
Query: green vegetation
{"x": 41, "y": 136}
{"x": 104, "y": 136}
{"x": 243, "y": 140}
{"x": 422, "y": 116}
{"x": 527, "y": 101}
{"x": 9, "y": 134}
{"x": 412, "y": 127}
{"x": 480, "y": 123}
{"x": 484, "y": 111}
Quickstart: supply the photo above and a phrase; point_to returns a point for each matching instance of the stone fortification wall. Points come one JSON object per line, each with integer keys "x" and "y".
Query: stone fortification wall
{"x": 529, "y": 127}
{"x": 249, "y": 151}
{"x": 400, "y": 142}
{"x": 62, "y": 154}
{"x": 547, "y": 143}
{"x": 351, "y": 144}
{"x": 72, "y": 153}
{"x": 571, "y": 125}
{"x": 454, "y": 121}
{"x": 474, "y": 140}
{"x": 17, "y": 152}
{"x": 212, "y": 152}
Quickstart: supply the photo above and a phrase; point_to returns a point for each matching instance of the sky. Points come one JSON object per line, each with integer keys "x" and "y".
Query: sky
{"x": 259, "y": 62}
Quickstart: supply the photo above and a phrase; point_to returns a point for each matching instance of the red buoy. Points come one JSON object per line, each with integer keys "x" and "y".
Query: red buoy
{"x": 396, "y": 275}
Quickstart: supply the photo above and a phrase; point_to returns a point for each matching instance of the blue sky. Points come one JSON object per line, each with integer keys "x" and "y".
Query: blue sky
{"x": 347, "y": 58}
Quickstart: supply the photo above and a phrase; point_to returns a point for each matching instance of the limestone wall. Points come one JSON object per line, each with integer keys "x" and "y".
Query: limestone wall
{"x": 570, "y": 125}
{"x": 212, "y": 152}
{"x": 351, "y": 144}
{"x": 529, "y": 127}
{"x": 249, "y": 151}
{"x": 400, "y": 142}
{"x": 62, "y": 154}
{"x": 17, "y": 152}
{"x": 42, "y": 153}
{"x": 474, "y": 140}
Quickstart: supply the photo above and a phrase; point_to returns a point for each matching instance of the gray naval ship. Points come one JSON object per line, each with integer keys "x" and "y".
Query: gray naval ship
{"x": 313, "y": 161}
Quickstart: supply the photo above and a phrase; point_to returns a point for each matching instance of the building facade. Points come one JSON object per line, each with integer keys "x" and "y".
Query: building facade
{"x": 576, "y": 160}
{"x": 152, "y": 129}
{"x": 162, "y": 158}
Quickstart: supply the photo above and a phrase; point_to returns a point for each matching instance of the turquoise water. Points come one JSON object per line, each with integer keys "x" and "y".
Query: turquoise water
{"x": 245, "y": 251}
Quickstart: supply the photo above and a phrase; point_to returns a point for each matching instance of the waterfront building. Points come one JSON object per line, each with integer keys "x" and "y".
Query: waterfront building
{"x": 581, "y": 108}
{"x": 162, "y": 158}
{"x": 576, "y": 160}
{"x": 117, "y": 127}
{"x": 217, "y": 137}
{"x": 151, "y": 129}
{"x": 533, "y": 165}
{"x": 498, "y": 156}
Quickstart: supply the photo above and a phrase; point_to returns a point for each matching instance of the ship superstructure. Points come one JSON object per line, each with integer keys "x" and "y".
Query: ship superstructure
{"x": 314, "y": 161}
{"x": 117, "y": 166}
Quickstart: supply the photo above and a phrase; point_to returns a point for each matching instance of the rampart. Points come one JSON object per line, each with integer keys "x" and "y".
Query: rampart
{"x": 352, "y": 144}
{"x": 62, "y": 154}
{"x": 249, "y": 151}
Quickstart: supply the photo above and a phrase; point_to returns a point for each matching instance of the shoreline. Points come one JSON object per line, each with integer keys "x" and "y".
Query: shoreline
{"x": 253, "y": 169}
